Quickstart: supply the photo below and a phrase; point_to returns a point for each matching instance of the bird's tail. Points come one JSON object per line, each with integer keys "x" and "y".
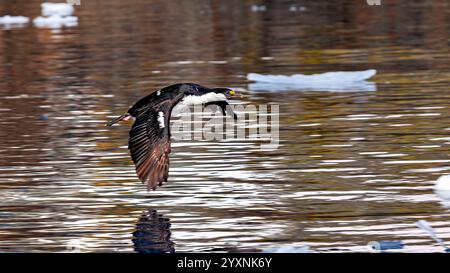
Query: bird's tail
{"x": 125, "y": 116}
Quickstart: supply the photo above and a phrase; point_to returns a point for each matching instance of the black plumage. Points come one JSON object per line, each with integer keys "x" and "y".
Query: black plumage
{"x": 149, "y": 141}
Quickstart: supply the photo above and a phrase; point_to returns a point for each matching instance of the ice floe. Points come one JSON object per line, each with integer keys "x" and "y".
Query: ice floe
{"x": 385, "y": 245}
{"x": 294, "y": 8}
{"x": 62, "y": 9}
{"x": 443, "y": 183}
{"x": 55, "y": 21}
{"x": 425, "y": 226}
{"x": 329, "y": 81}
{"x": 258, "y": 8}
{"x": 442, "y": 190}
{"x": 9, "y": 21}
{"x": 56, "y": 15}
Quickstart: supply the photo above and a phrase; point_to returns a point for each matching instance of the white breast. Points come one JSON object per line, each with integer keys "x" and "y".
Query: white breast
{"x": 194, "y": 100}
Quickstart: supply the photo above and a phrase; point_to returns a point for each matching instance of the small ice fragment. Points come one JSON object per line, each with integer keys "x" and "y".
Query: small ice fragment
{"x": 443, "y": 183}
{"x": 43, "y": 117}
{"x": 55, "y": 21}
{"x": 385, "y": 245}
{"x": 424, "y": 225}
{"x": 442, "y": 190}
{"x": 10, "y": 20}
{"x": 62, "y": 9}
{"x": 294, "y": 8}
{"x": 258, "y": 8}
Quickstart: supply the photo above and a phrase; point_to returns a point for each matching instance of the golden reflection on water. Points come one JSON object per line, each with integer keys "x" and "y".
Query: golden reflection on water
{"x": 352, "y": 167}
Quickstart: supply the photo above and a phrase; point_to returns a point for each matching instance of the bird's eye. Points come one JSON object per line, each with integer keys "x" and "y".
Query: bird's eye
{"x": 231, "y": 92}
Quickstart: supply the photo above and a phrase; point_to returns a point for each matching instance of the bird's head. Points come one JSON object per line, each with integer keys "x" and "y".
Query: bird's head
{"x": 229, "y": 93}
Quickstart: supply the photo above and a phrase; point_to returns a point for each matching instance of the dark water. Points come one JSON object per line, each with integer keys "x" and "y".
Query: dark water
{"x": 352, "y": 167}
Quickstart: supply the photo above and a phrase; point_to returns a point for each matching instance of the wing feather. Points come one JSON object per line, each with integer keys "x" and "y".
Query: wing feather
{"x": 149, "y": 145}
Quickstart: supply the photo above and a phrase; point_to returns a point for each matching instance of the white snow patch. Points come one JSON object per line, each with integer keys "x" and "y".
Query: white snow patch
{"x": 161, "y": 119}
{"x": 11, "y": 20}
{"x": 329, "y": 81}
{"x": 208, "y": 97}
{"x": 55, "y": 21}
{"x": 62, "y": 9}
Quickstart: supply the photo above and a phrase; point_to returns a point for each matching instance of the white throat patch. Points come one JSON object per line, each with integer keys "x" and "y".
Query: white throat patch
{"x": 161, "y": 119}
{"x": 208, "y": 97}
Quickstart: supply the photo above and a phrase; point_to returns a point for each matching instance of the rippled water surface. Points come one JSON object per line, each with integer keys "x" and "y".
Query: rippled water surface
{"x": 352, "y": 167}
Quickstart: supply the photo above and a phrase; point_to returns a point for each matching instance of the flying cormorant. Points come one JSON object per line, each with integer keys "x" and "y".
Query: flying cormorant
{"x": 149, "y": 142}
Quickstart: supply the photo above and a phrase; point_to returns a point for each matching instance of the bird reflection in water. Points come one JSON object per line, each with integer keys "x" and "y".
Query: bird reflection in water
{"x": 152, "y": 234}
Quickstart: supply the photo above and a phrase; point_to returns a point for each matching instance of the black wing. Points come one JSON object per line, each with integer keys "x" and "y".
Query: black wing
{"x": 149, "y": 145}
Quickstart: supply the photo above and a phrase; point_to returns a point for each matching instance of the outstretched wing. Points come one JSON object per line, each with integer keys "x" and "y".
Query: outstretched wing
{"x": 149, "y": 145}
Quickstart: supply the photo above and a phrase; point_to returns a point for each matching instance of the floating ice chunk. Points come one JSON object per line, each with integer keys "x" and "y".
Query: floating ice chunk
{"x": 55, "y": 21}
{"x": 342, "y": 76}
{"x": 442, "y": 190}
{"x": 443, "y": 183}
{"x": 62, "y": 9}
{"x": 424, "y": 225}
{"x": 294, "y": 8}
{"x": 385, "y": 245}
{"x": 364, "y": 86}
{"x": 56, "y": 15}
{"x": 329, "y": 81}
{"x": 258, "y": 8}
{"x": 13, "y": 20}
{"x": 287, "y": 249}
